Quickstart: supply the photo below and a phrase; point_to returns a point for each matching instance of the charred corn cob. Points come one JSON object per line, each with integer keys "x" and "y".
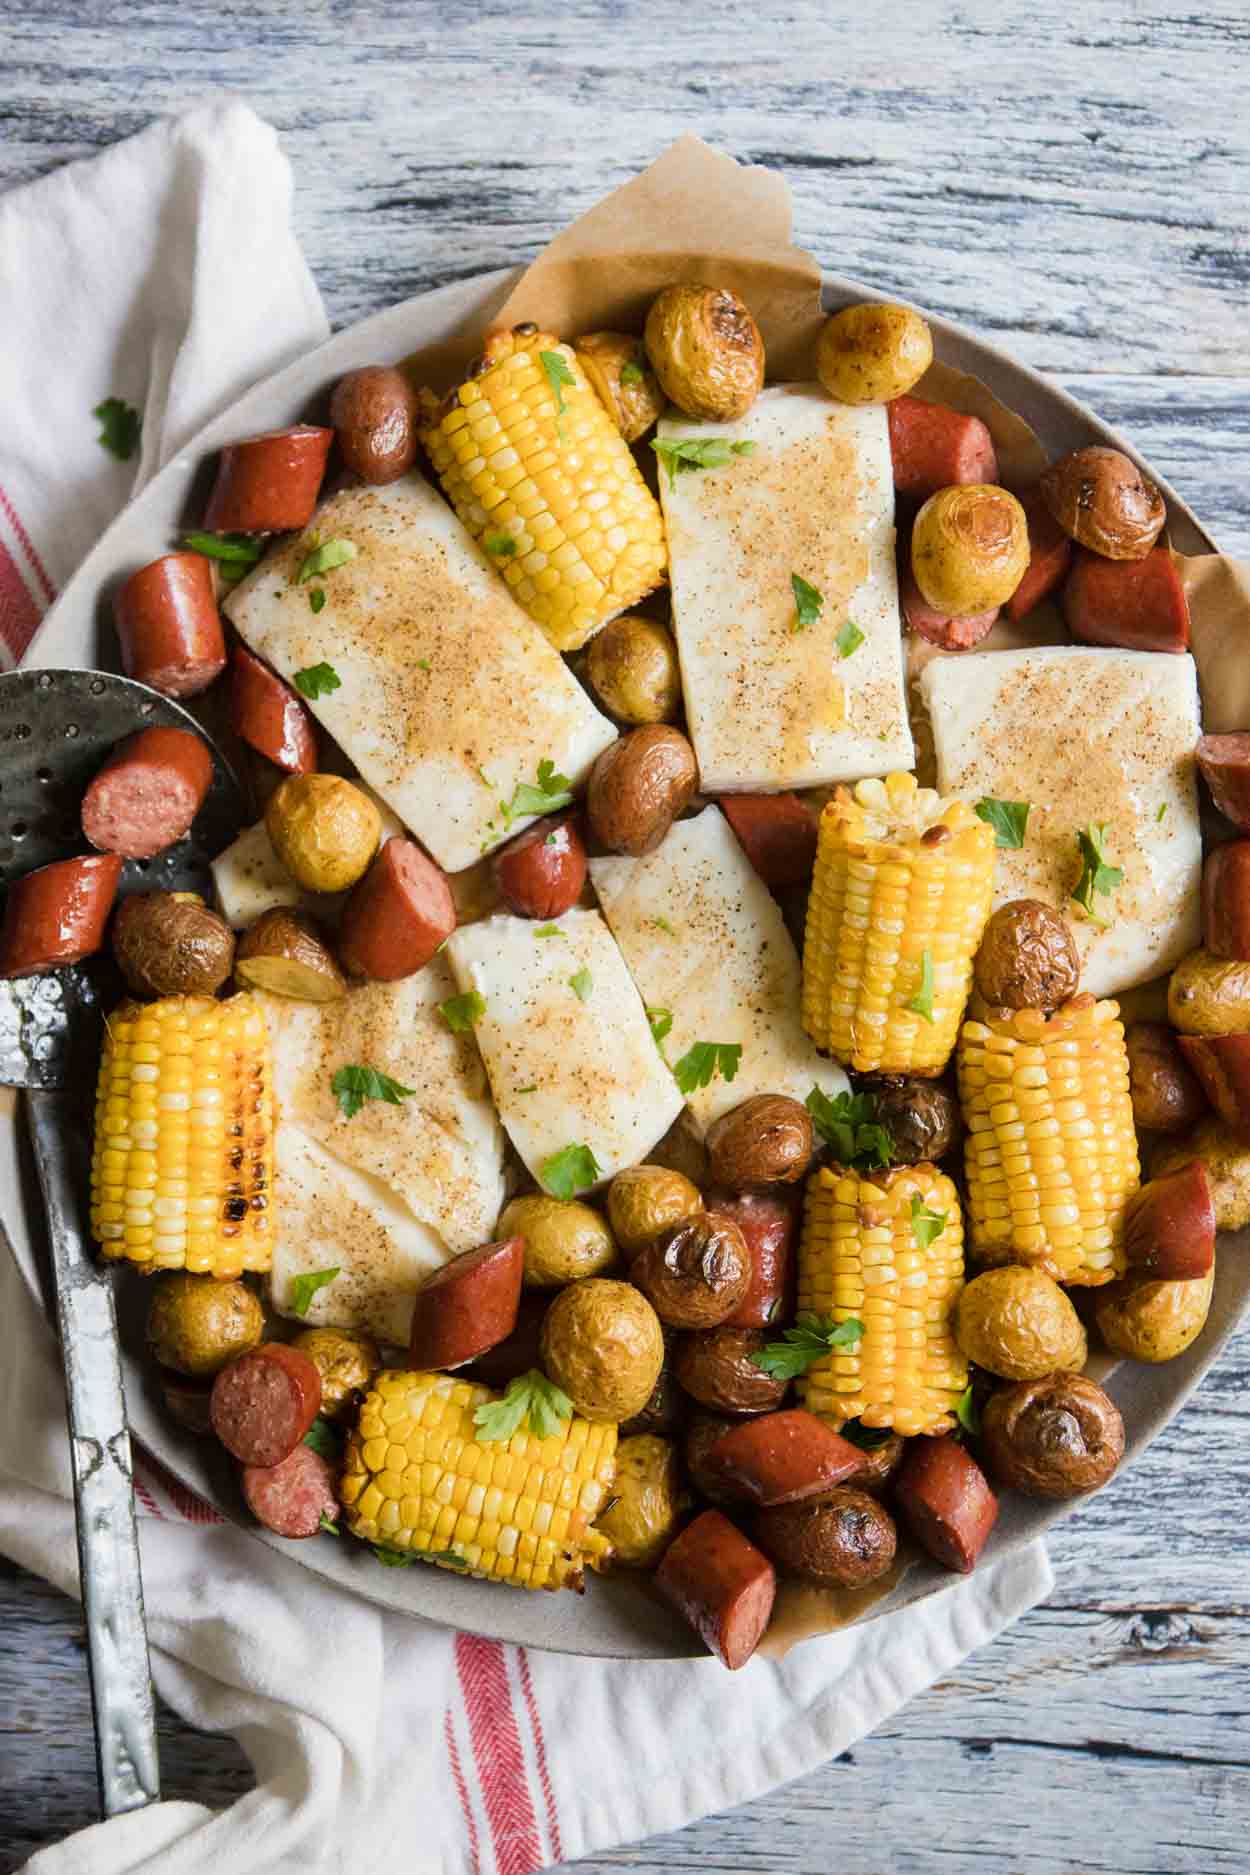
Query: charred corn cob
{"x": 419, "y": 1476}
{"x": 885, "y": 1249}
{"x": 1050, "y": 1152}
{"x": 544, "y": 481}
{"x": 900, "y": 896}
{"x": 182, "y": 1170}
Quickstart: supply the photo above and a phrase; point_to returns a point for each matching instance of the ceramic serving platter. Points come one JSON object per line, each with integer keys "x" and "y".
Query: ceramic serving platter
{"x": 616, "y": 1616}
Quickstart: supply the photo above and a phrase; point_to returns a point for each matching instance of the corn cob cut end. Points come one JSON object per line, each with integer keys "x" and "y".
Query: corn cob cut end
{"x": 901, "y": 892}
{"x": 417, "y": 1477}
{"x": 861, "y": 1259}
{"x": 1050, "y": 1151}
{"x": 182, "y": 1162}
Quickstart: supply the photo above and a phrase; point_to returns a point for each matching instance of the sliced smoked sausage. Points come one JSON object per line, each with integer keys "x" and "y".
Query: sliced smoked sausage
{"x": 937, "y": 628}
{"x": 56, "y": 915}
{"x": 767, "y": 1221}
{"x": 291, "y": 1497}
{"x": 148, "y": 793}
{"x": 1224, "y": 762}
{"x": 944, "y": 1499}
{"x": 1226, "y": 900}
{"x": 168, "y": 625}
{"x": 782, "y": 1457}
{"x": 398, "y": 915}
{"x": 723, "y": 1586}
{"x": 467, "y": 1306}
{"x": 777, "y": 832}
{"x": 269, "y": 717}
{"x": 264, "y": 1403}
{"x": 1137, "y": 605}
{"x": 269, "y": 484}
{"x": 932, "y": 447}
{"x": 1050, "y": 555}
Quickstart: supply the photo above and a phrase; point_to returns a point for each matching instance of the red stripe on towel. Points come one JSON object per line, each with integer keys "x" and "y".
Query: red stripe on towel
{"x": 462, "y": 1791}
{"x": 540, "y": 1754}
{"x": 27, "y": 546}
{"x": 497, "y": 1752}
{"x": 19, "y": 615}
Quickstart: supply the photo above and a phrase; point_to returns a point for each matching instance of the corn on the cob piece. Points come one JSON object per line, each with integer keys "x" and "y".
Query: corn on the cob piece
{"x": 900, "y": 896}
{"x": 866, "y": 1256}
{"x": 182, "y": 1169}
{"x": 544, "y": 481}
{"x": 1050, "y": 1153}
{"x": 418, "y": 1476}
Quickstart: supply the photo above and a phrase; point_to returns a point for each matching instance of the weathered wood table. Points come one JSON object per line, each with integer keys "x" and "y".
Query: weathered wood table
{"x": 1071, "y": 184}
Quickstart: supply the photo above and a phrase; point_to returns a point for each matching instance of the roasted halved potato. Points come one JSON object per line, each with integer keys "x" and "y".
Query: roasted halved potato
{"x": 285, "y": 954}
{"x": 617, "y": 366}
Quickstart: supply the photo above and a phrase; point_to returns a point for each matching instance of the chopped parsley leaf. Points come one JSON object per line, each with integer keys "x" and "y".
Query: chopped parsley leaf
{"x": 700, "y": 1064}
{"x": 353, "y": 1086}
{"x": 461, "y": 1012}
{"x": 679, "y": 454}
{"x": 120, "y": 427}
{"x": 305, "y": 1287}
{"x": 317, "y": 680}
{"x": 571, "y": 1170}
{"x": 1009, "y": 819}
{"x": 811, "y": 1338}
{"x": 809, "y": 602}
{"x": 922, "y": 1001}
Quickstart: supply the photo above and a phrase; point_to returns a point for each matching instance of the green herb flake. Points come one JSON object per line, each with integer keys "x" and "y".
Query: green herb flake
{"x": 966, "y": 1412}
{"x": 632, "y": 373}
{"x": 528, "y": 1090}
{"x": 849, "y": 1124}
{"x": 317, "y": 680}
{"x": 353, "y": 1086}
{"x": 701, "y": 1063}
{"x": 328, "y": 1525}
{"x": 1009, "y": 819}
{"x": 867, "y": 1438}
{"x": 120, "y": 427}
{"x": 848, "y": 638}
{"x": 449, "y": 1558}
{"x": 324, "y": 559}
{"x": 423, "y": 664}
{"x": 571, "y": 1170}
{"x": 462, "y": 1012}
{"x": 316, "y": 598}
{"x": 551, "y": 793}
{"x": 809, "y": 1341}
{"x": 582, "y": 985}
{"x": 1163, "y": 808}
{"x": 324, "y": 1438}
{"x": 304, "y": 1288}
{"x": 922, "y": 1001}
{"x": 393, "y": 1558}
{"x": 681, "y": 454}
{"x": 926, "y": 1225}
{"x": 558, "y": 375}
{"x": 662, "y": 924}
{"x": 661, "y": 1021}
{"x": 500, "y": 544}
{"x": 233, "y": 550}
{"x": 528, "y": 1399}
{"x": 548, "y": 930}
{"x": 1099, "y": 878}
{"x": 809, "y": 602}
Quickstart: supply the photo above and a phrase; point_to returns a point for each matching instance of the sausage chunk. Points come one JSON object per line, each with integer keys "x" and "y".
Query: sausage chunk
{"x": 168, "y": 626}
{"x": 148, "y": 793}
{"x": 938, "y": 628}
{"x": 269, "y": 717}
{"x": 1224, "y": 762}
{"x": 1050, "y": 556}
{"x": 541, "y": 873}
{"x": 767, "y": 1221}
{"x": 398, "y": 915}
{"x": 782, "y": 1457}
{"x": 269, "y": 483}
{"x": 723, "y": 1586}
{"x": 291, "y": 1497}
{"x": 467, "y": 1306}
{"x": 264, "y": 1403}
{"x": 932, "y": 447}
{"x": 777, "y": 832}
{"x": 57, "y": 914}
{"x": 1138, "y": 605}
{"x": 944, "y": 1500}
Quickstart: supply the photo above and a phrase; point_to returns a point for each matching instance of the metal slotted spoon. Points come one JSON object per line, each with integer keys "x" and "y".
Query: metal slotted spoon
{"x": 56, "y": 729}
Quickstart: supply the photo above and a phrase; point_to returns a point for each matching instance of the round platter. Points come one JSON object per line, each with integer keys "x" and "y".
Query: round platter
{"x": 616, "y": 1617}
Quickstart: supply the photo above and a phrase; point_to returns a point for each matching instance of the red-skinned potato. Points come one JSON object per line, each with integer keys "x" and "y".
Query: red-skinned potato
{"x": 1226, "y": 900}
{"x": 1224, "y": 762}
{"x": 1169, "y": 1226}
{"x": 541, "y": 873}
{"x": 1166, "y": 1094}
{"x": 1222, "y": 1064}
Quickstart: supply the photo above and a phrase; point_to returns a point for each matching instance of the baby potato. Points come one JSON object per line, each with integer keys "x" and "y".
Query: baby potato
{"x": 645, "y": 1501}
{"x": 1154, "y": 1321}
{"x": 868, "y": 354}
{"x": 1027, "y": 957}
{"x": 345, "y": 1360}
{"x": 196, "y": 1324}
{"x": 564, "y": 1239}
{"x": 706, "y": 350}
{"x": 969, "y": 548}
{"x": 324, "y": 830}
{"x": 645, "y": 1200}
{"x": 284, "y": 953}
{"x": 1103, "y": 500}
{"x": 171, "y": 944}
{"x": 627, "y": 387}
{"x": 1018, "y": 1323}
{"x": 633, "y": 670}
{"x": 602, "y": 1342}
{"x": 1210, "y": 995}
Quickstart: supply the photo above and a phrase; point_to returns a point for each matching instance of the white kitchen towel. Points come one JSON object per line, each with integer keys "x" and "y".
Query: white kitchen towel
{"x": 165, "y": 272}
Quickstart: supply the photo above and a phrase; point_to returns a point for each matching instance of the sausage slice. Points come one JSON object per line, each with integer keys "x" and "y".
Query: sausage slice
{"x": 767, "y": 1222}
{"x": 168, "y": 625}
{"x": 148, "y": 793}
{"x": 1225, "y": 765}
{"x": 723, "y": 1586}
{"x": 932, "y": 447}
{"x": 56, "y": 915}
{"x": 1226, "y": 901}
{"x": 264, "y": 1403}
{"x": 777, "y": 832}
{"x": 269, "y": 484}
{"x": 937, "y": 628}
{"x": 467, "y": 1306}
{"x": 398, "y": 915}
{"x": 541, "y": 873}
{"x": 291, "y": 1497}
{"x": 268, "y": 715}
{"x": 1050, "y": 556}
{"x": 945, "y": 1501}
{"x": 1138, "y": 605}
{"x": 782, "y": 1457}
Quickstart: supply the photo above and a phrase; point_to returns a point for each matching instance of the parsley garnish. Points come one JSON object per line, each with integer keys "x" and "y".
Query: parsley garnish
{"x": 533, "y": 1089}
{"x": 324, "y": 559}
{"x": 317, "y": 680}
{"x": 423, "y": 664}
{"x": 811, "y": 1338}
{"x": 662, "y": 924}
{"x": 450, "y": 1558}
{"x": 304, "y": 1288}
{"x": 461, "y": 1012}
{"x": 1163, "y": 808}
{"x": 966, "y": 1412}
{"x": 324, "y": 1438}
{"x": 926, "y": 1225}
{"x": 693, "y": 452}
{"x": 922, "y": 1001}
{"x": 1009, "y": 819}
{"x": 499, "y": 543}
{"x": 661, "y": 1021}
{"x": 809, "y": 602}
{"x": 867, "y": 1438}
{"x": 581, "y": 985}
{"x": 393, "y": 1558}
{"x": 548, "y": 930}
{"x": 328, "y": 1525}
{"x": 572, "y": 1169}
{"x": 849, "y": 638}
{"x": 236, "y": 550}
{"x": 529, "y": 1398}
{"x": 1098, "y": 875}
{"x": 120, "y": 427}
{"x": 316, "y": 598}
{"x": 353, "y": 1086}
{"x": 700, "y": 1064}
{"x": 850, "y": 1125}
{"x": 552, "y": 792}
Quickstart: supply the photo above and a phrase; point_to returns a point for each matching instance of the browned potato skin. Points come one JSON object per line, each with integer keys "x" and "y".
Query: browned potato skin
{"x": 695, "y": 1274}
{"x": 868, "y": 354}
{"x": 1103, "y": 500}
{"x": 701, "y": 1435}
{"x": 564, "y": 1239}
{"x": 706, "y": 350}
{"x": 324, "y": 830}
{"x": 633, "y": 670}
{"x": 284, "y": 953}
{"x": 171, "y": 944}
{"x": 683, "y": 1150}
{"x": 844, "y": 1542}
{"x": 969, "y": 548}
{"x": 1056, "y": 1437}
{"x": 1018, "y": 1323}
{"x": 188, "y": 1402}
{"x": 647, "y": 1491}
{"x": 196, "y": 1324}
{"x": 766, "y": 1141}
{"x": 646, "y": 1200}
{"x": 633, "y": 405}
{"x": 602, "y": 1342}
{"x": 637, "y": 788}
{"x": 1210, "y": 995}
{"x": 1153, "y": 1321}
{"x": 715, "y": 1368}
{"x": 1227, "y": 1160}
{"x": 923, "y": 1117}
{"x": 1027, "y": 957}
{"x": 346, "y": 1361}
{"x": 1167, "y": 1097}
{"x": 881, "y": 1462}
{"x": 374, "y": 413}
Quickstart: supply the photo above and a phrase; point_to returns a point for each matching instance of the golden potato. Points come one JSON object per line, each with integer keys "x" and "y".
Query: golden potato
{"x": 647, "y": 1199}
{"x": 1227, "y": 1160}
{"x": 633, "y": 670}
{"x": 1210, "y": 995}
{"x": 602, "y": 1342}
{"x": 346, "y": 1361}
{"x": 868, "y": 354}
{"x": 706, "y": 350}
{"x": 1017, "y": 1323}
{"x": 324, "y": 830}
{"x": 624, "y": 382}
{"x": 1153, "y": 1321}
{"x": 645, "y": 1501}
{"x": 969, "y": 548}
{"x": 197, "y": 1323}
{"x": 564, "y": 1239}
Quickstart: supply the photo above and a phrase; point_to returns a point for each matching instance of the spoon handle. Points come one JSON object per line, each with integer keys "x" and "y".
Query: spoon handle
{"x": 108, "y": 1548}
